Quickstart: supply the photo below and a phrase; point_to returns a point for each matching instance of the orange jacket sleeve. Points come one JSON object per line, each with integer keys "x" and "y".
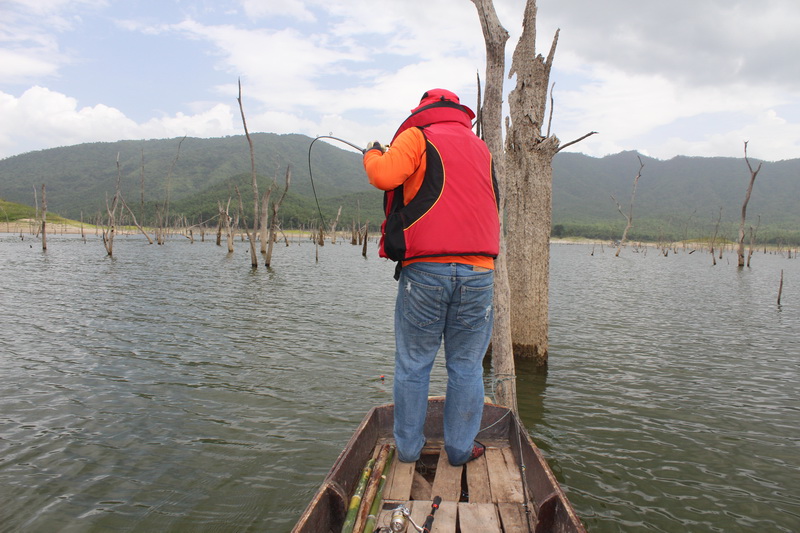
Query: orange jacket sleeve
{"x": 402, "y": 164}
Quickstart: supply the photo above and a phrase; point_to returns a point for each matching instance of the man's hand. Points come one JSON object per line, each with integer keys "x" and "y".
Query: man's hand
{"x": 375, "y": 145}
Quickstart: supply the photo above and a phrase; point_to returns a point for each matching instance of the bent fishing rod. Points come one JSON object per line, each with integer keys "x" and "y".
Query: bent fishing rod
{"x": 311, "y": 176}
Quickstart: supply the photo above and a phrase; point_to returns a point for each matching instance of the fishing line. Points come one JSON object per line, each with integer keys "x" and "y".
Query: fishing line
{"x": 310, "y": 175}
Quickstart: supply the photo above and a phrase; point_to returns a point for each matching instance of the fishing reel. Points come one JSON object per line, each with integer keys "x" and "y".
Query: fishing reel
{"x": 401, "y": 518}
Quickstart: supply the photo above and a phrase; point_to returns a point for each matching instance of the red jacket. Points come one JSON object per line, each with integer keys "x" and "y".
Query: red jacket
{"x": 454, "y": 212}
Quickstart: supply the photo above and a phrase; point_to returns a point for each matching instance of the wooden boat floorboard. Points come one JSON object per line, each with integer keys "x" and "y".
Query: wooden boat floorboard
{"x": 482, "y": 496}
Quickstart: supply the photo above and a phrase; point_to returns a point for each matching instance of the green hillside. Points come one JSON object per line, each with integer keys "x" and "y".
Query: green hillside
{"x": 675, "y": 199}
{"x": 78, "y": 178}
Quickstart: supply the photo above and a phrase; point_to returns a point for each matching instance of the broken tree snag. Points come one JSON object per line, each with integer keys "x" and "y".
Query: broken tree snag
{"x": 753, "y": 232}
{"x": 528, "y": 194}
{"x": 111, "y": 209}
{"x": 264, "y": 214}
{"x": 629, "y": 216}
{"x": 273, "y": 228}
{"x": 334, "y": 224}
{"x": 229, "y": 228}
{"x": 219, "y": 223}
{"x": 44, "y": 219}
{"x": 250, "y": 236}
{"x": 753, "y": 174}
{"x": 780, "y": 289}
{"x": 714, "y": 239}
{"x": 490, "y": 115}
{"x": 364, "y": 248}
{"x": 254, "y": 183}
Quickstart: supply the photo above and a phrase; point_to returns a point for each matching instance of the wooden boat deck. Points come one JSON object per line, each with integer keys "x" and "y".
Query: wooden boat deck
{"x": 485, "y": 495}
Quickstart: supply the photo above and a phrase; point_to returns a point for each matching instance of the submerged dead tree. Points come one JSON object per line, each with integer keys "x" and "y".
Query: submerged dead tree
{"x": 490, "y": 123}
{"x": 753, "y": 174}
{"x": 44, "y": 219}
{"x": 162, "y": 211}
{"x": 714, "y": 239}
{"x": 254, "y": 183}
{"x": 110, "y": 229}
{"x": 273, "y": 228}
{"x": 629, "y": 216}
{"x": 528, "y": 157}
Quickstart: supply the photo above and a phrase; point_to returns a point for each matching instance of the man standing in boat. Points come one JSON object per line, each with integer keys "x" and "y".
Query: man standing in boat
{"x": 442, "y": 228}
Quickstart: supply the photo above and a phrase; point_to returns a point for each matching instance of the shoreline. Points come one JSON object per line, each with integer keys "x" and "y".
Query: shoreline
{"x": 28, "y": 227}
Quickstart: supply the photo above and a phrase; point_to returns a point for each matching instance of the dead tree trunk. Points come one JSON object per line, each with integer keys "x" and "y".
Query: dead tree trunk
{"x": 753, "y": 174}
{"x": 253, "y": 256}
{"x": 250, "y": 237}
{"x": 36, "y": 225}
{"x": 44, "y": 219}
{"x": 334, "y": 224}
{"x": 110, "y": 230}
{"x": 714, "y": 239}
{"x": 491, "y": 126}
{"x": 264, "y": 227}
{"x": 528, "y": 193}
{"x": 275, "y": 207}
{"x": 225, "y": 217}
{"x": 366, "y": 234}
{"x": 753, "y": 232}
{"x": 629, "y": 216}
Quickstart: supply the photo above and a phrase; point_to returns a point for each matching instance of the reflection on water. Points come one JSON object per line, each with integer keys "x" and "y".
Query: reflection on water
{"x": 172, "y": 388}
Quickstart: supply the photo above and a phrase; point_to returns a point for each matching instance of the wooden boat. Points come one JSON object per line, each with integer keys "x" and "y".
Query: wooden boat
{"x": 487, "y": 495}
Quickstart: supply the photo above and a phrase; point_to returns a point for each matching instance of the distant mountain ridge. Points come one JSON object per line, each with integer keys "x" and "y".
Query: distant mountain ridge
{"x": 676, "y": 198}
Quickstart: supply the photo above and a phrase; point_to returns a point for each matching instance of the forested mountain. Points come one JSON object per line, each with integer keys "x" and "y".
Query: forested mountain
{"x": 675, "y": 199}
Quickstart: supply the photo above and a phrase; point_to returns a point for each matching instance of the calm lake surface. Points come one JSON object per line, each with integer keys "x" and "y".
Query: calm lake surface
{"x": 174, "y": 389}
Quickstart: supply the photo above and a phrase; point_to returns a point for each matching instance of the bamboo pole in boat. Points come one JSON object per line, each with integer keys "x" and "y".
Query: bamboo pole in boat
{"x": 355, "y": 501}
{"x": 372, "y": 488}
{"x": 376, "y": 503}
{"x": 375, "y": 485}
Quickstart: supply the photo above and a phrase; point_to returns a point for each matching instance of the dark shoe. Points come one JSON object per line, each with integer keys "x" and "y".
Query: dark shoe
{"x": 478, "y": 449}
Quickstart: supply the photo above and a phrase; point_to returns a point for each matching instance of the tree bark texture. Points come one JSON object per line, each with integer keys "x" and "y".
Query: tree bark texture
{"x": 491, "y": 126}
{"x": 528, "y": 173}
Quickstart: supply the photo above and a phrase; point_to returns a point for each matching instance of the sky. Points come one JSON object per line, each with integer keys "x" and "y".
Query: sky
{"x": 683, "y": 77}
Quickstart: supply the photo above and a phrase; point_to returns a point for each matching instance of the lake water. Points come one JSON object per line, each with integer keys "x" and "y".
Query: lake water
{"x": 172, "y": 388}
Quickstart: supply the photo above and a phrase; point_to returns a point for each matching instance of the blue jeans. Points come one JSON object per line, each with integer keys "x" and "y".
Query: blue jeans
{"x": 438, "y": 301}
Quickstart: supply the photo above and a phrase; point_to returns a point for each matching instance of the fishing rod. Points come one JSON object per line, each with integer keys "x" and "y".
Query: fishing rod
{"x": 310, "y": 174}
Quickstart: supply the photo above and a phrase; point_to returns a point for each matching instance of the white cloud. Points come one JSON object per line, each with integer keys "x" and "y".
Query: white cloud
{"x": 683, "y": 77}
{"x": 41, "y": 118}
{"x": 296, "y": 9}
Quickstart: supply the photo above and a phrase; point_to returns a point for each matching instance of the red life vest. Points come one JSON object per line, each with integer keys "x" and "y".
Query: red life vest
{"x": 455, "y": 211}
